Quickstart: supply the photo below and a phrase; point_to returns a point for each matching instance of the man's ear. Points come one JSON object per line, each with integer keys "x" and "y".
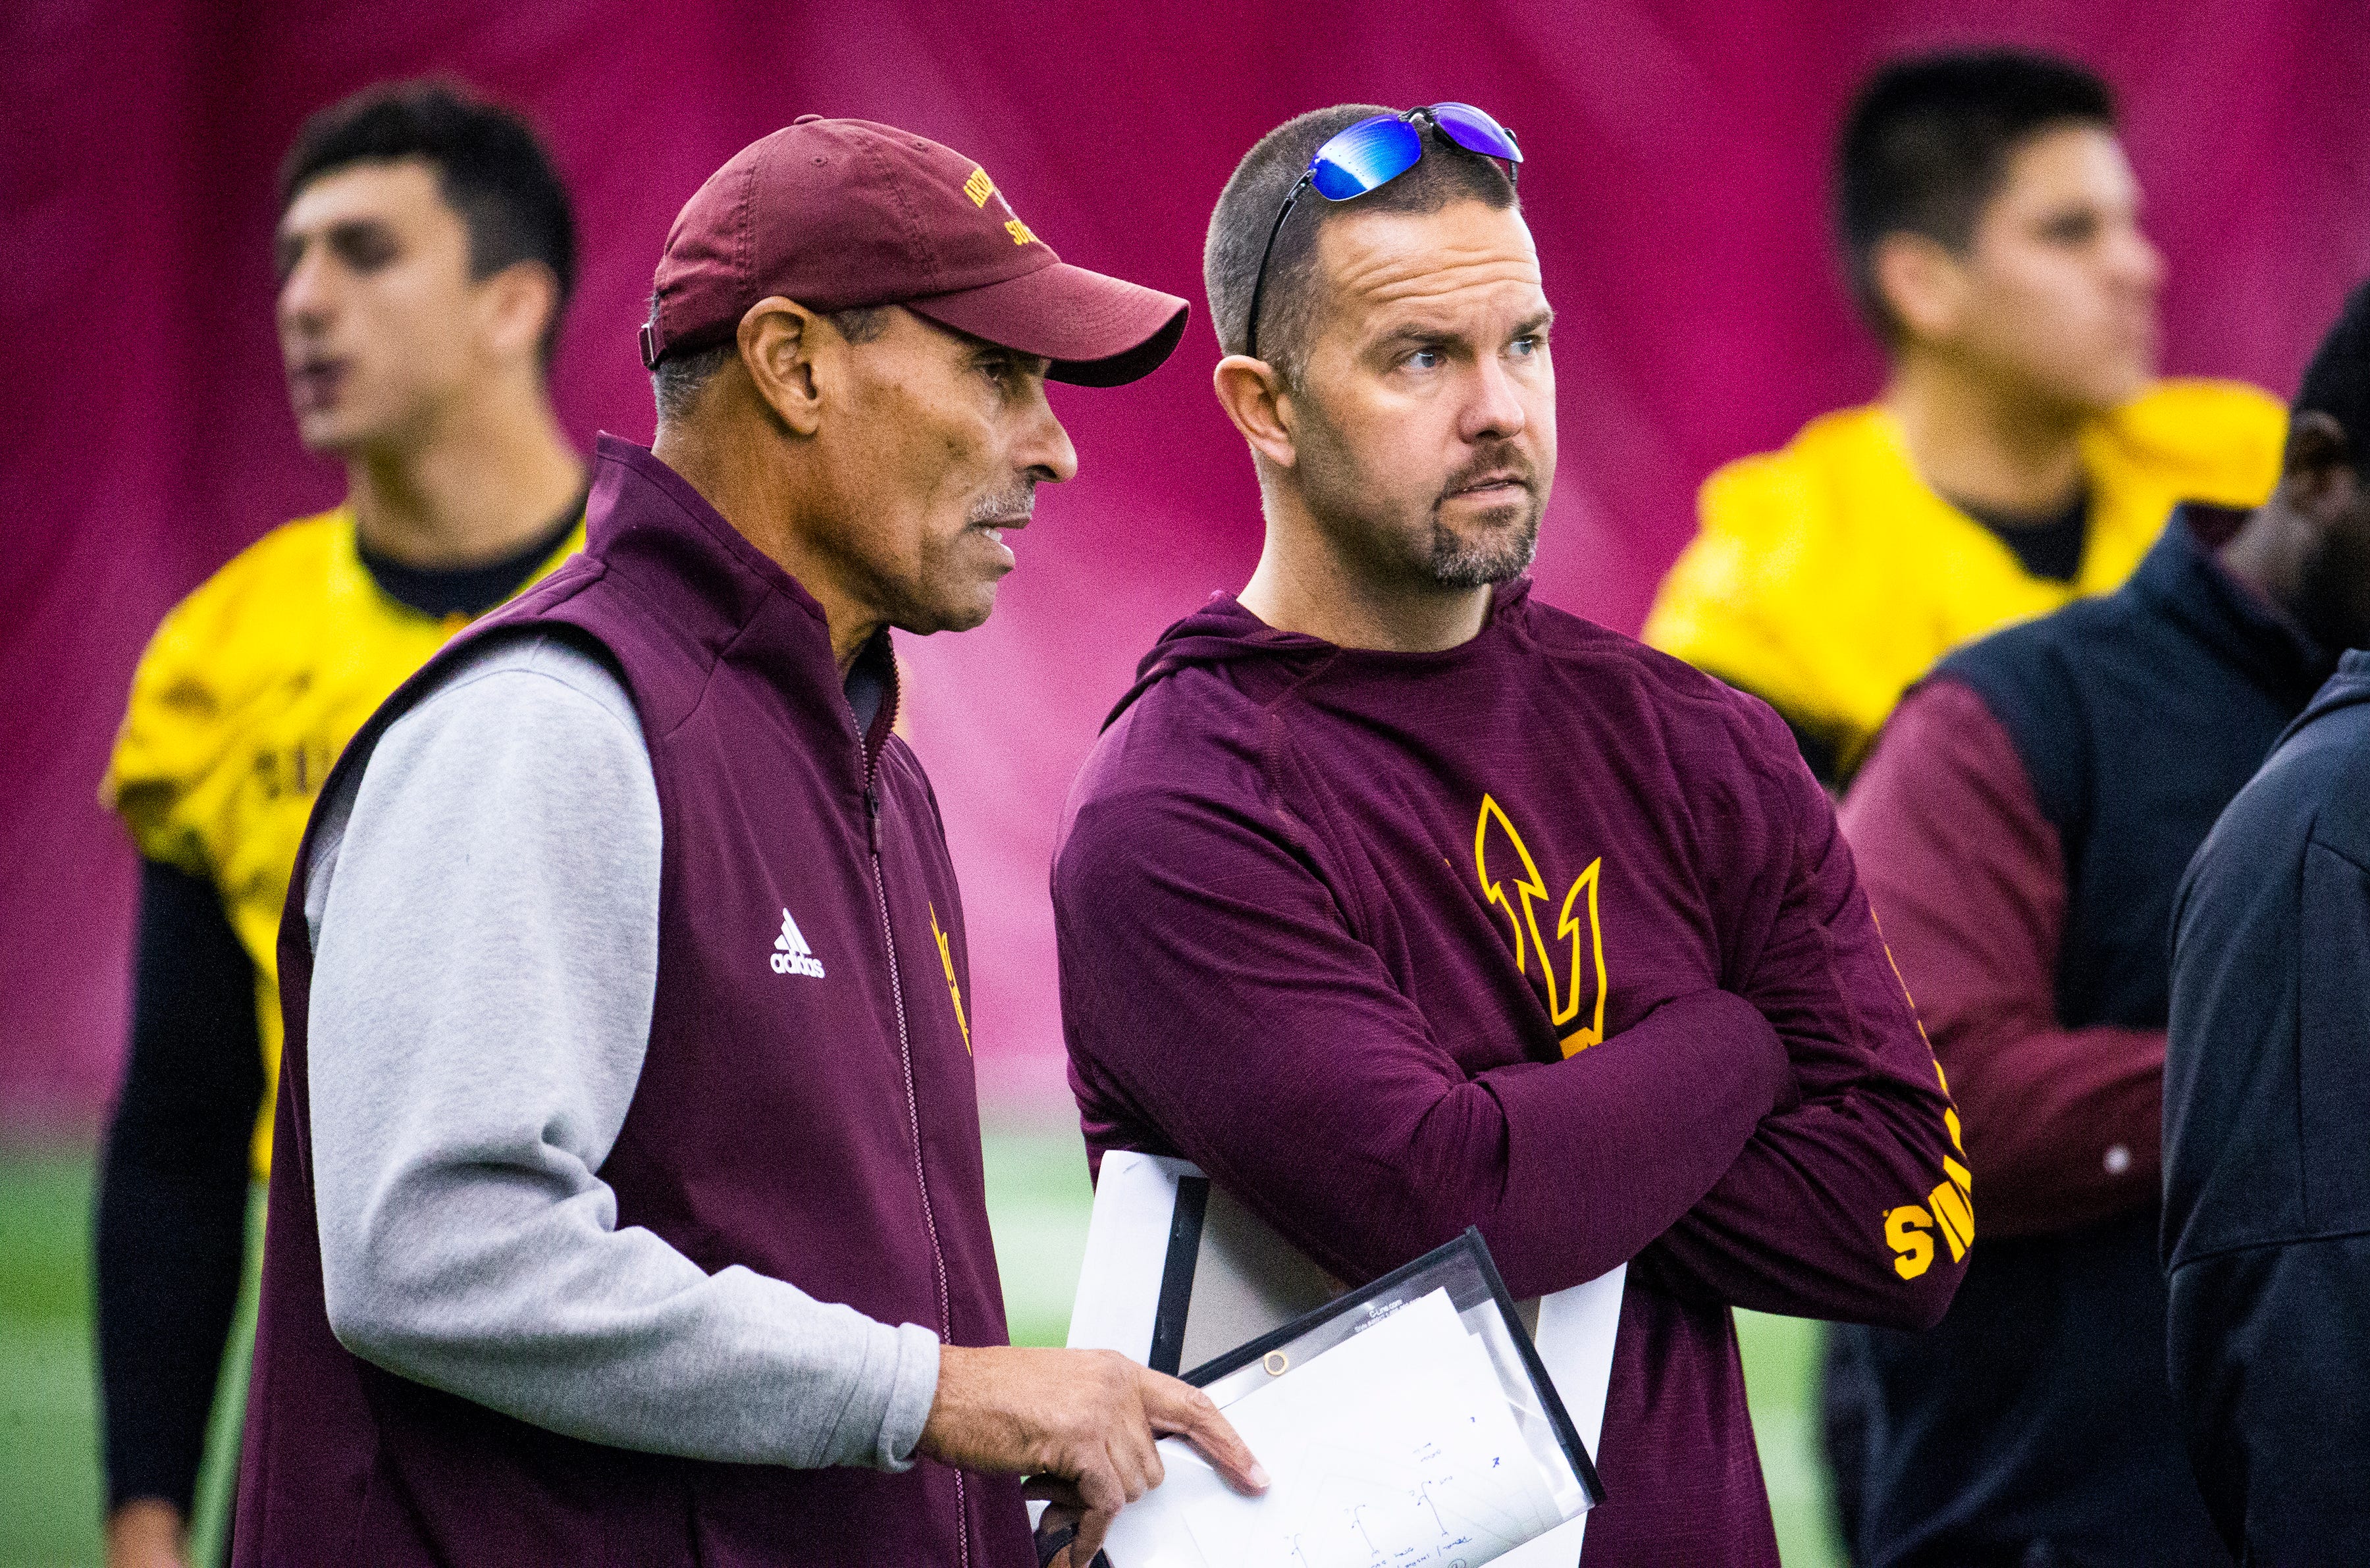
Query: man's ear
{"x": 2317, "y": 472}
{"x": 520, "y": 303}
{"x": 779, "y": 341}
{"x": 1921, "y": 282}
{"x": 1254, "y": 395}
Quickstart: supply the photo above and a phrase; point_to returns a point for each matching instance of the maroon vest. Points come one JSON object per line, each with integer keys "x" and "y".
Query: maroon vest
{"x": 808, "y": 1116}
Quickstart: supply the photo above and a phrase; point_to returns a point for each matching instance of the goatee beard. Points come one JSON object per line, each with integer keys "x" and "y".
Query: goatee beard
{"x": 1501, "y": 554}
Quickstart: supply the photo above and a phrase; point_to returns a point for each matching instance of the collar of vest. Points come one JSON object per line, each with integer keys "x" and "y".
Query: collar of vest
{"x": 648, "y": 521}
{"x": 2349, "y": 688}
{"x": 2184, "y": 579}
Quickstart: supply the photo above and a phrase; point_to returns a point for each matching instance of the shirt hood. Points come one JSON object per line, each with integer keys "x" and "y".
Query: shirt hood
{"x": 1223, "y": 632}
{"x": 2348, "y": 688}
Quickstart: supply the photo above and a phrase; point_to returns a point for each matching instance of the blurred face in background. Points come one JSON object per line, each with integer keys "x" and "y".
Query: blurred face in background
{"x": 1423, "y": 423}
{"x": 2055, "y": 294}
{"x": 2332, "y": 596}
{"x": 381, "y": 330}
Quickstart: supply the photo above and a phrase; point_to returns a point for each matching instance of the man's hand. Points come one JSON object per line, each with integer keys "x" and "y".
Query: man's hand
{"x": 1083, "y": 1419}
{"x": 145, "y": 1533}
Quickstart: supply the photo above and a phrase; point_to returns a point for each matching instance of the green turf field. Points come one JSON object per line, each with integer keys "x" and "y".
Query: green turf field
{"x": 1037, "y": 1199}
{"x": 49, "y": 1469}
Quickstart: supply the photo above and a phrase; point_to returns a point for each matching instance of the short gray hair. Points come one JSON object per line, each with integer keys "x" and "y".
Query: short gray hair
{"x": 677, "y": 380}
{"x": 1245, "y": 213}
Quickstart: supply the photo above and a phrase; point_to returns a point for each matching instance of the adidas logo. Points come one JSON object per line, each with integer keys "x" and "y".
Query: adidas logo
{"x": 791, "y": 954}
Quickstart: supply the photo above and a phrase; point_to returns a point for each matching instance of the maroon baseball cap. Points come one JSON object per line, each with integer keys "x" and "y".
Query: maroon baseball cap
{"x": 843, "y": 214}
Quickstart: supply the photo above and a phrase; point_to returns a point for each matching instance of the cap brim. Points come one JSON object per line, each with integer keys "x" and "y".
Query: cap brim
{"x": 1098, "y": 332}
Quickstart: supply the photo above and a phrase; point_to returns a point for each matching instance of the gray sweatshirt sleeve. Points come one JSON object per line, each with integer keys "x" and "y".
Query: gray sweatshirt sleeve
{"x": 485, "y": 939}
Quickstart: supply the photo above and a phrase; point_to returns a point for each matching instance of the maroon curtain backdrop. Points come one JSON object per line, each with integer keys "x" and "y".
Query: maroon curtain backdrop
{"x": 1675, "y": 181}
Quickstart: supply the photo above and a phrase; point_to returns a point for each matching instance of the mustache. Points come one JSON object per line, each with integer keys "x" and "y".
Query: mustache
{"x": 1018, "y": 504}
{"x": 1505, "y": 460}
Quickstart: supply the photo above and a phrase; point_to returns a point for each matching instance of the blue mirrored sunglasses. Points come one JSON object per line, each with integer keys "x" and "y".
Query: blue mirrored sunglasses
{"x": 1372, "y": 154}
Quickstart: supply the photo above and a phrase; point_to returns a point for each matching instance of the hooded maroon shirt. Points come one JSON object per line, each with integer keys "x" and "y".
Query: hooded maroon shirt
{"x": 1547, "y": 933}
{"x": 824, "y": 1132}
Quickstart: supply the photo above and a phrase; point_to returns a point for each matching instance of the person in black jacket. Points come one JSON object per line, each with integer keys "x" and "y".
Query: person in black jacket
{"x": 2266, "y": 1237}
{"x": 2022, "y": 827}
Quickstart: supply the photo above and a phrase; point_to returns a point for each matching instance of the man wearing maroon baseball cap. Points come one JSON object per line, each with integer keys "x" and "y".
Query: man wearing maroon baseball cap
{"x": 843, "y": 214}
{"x": 635, "y": 1211}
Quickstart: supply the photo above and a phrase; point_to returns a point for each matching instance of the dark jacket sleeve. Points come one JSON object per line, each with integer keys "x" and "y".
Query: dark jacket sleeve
{"x": 173, "y": 1187}
{"x": 1968, "y": 880}
{"x": 2267, "y": 1171}
{"x": 1853, "y": 1203}
{"x": 1209, "y": 981}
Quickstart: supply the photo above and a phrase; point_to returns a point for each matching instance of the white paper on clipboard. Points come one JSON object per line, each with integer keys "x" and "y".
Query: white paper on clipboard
{"x": 1204, "y": 1276}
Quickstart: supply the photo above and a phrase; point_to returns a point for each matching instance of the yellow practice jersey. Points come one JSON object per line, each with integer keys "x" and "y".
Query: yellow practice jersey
{"x": 1827, "y": 577}
{"x": 246, "y": 693}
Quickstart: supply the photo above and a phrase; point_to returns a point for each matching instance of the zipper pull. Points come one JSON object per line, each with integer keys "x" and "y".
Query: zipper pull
{"x": 873, "y": 815}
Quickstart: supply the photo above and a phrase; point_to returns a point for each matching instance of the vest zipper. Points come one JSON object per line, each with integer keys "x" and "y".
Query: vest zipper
{"x": 913, "y": 1113}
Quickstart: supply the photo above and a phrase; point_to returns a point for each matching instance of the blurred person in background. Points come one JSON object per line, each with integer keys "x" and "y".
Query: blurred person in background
{"x": 425, "y": 251}
{"x": 2022, "y": 825}
{"x": 2267, "y": 1070}
{"x": 1399, "y": 901}
{"x": 2022, "y": 452}
{"x": 632, "y": 1206}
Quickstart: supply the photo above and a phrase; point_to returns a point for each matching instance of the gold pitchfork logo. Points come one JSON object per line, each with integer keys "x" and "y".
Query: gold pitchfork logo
{"x": 1521, "y": 881}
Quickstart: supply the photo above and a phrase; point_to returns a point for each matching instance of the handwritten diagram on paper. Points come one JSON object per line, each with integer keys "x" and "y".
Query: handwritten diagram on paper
{"x": 1362, "y": 1508}
{"x": 1394, "y": 1449}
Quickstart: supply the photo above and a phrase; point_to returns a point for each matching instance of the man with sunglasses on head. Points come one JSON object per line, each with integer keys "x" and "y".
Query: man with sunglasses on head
{"x": 1400, "y": 902}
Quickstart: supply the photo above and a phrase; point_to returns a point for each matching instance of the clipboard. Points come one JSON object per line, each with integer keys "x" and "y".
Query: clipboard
{"x": 1464, "y": 1270}
{"x": 1177, "y": 1273}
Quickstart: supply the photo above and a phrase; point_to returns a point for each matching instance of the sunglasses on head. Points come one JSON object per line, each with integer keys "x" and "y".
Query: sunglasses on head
{"x": 1372, "y": 154}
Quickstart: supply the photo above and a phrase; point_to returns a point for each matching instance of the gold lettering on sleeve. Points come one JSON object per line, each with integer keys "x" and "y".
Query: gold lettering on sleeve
{"x": 1949, "y": 1208}
{"x": 1956, "y": 1216}
{"x": 1906, "y": 1232}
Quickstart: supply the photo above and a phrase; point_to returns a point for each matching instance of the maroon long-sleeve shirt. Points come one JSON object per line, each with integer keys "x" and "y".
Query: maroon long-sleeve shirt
{"x": 1969, "y": 879}
{"x": 1545, "y": 933}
